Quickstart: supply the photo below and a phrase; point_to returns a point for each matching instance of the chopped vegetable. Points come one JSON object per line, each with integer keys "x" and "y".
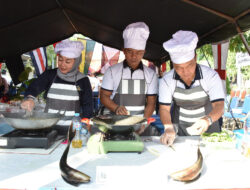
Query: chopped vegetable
{"x": 224, "y": 136}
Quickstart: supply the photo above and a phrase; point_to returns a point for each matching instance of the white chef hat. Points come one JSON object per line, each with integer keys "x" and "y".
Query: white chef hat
{"x": 135, "y": 36}
{"x": 182, "y": 46}
{"x": 70, "y": 49}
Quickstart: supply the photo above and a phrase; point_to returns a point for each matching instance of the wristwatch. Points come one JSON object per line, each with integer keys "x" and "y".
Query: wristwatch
{"x": 210, "y": 121}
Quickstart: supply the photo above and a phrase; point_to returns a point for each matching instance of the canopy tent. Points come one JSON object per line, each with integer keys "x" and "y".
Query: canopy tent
{"x": 26, "y": 25}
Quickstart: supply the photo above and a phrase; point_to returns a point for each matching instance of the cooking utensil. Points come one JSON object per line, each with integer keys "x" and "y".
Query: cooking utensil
{"x": 119, "y": 123}
{"x": 38, "y": 120}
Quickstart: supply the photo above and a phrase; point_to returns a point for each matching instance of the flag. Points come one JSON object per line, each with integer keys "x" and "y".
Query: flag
{"x": 54, "y": 44}
{"x": 88, "y": 55}
{"x": 95, "y": 64}
{"x": 39, "y": 60}
{"x": 220, "y": 52}
{"x": 163, "y": 67}
{"x": 110, "y": 57}
{"x": 82, "y": 64}
{"x": 54, "y": 62}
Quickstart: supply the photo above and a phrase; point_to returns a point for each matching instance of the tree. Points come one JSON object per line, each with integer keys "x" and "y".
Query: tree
{"x": 51, "y": 56}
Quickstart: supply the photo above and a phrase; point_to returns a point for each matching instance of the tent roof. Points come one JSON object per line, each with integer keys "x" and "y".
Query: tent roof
{"x": 28, "y": 24}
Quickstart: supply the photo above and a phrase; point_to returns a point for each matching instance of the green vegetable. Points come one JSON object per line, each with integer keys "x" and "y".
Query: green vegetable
{"x": 224, "y": 136}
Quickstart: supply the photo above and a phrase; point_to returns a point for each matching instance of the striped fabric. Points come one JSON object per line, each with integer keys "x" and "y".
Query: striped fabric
{"x": 132, "y": 87}
{"x": 39, "y": 60}
{"x": 192, "y": 104}
{"x": 64, "y": 98}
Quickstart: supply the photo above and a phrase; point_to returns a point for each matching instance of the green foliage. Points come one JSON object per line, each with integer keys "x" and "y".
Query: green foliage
{"x": 25, "y": 74}
{"x": 228, "y": 86}
{"x": 51, "y": 56}
{"x": 236, "y": 44}
{"x": 205, "y": 53}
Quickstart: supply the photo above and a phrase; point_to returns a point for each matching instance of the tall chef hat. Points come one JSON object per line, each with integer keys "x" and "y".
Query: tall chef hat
{"x": 182, "y": 46}
{"x": 70, "y": 49}
{"x": 135, "y": 36}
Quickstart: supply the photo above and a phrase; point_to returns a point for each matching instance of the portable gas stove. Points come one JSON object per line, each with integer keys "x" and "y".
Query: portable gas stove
{"x": 117, "y": 134}
{"x": 31, "y": 131}
{"x": 102, "y": 143}
{"x": 28, "y": 139}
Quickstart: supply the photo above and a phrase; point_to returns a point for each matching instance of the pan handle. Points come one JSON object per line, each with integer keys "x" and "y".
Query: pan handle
{"x": 87, "y": 121}
{"x": 150, "y": 120}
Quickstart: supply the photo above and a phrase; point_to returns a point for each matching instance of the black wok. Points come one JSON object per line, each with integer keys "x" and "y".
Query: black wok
{"x": 119, "y": 123}
{"x": 38, "y": 120}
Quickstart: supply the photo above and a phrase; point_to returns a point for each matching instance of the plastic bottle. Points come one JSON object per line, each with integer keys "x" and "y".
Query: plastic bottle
{"x": 77, "y": 125}
{"x": 84, "y": 134}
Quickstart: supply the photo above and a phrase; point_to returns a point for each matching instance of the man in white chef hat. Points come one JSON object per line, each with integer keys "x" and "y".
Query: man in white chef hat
{"x": 66, "y": 88}
{"x": 194, "y": 91}
{"x": 129, "y": 87}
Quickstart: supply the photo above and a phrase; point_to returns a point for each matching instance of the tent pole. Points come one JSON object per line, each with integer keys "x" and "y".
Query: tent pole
{"x": 230, "y": 19}
{"x": 210, "y": 10}
{"x": 243, "y": 38}
{"x": 66, "y": 15}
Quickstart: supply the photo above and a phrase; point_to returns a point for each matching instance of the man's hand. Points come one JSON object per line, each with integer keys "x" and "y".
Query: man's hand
{"x": 169, "y": 135}
{"x": 121, "y": 110}
{"x": 198, "y": 127}
{"x": 28, "y": 105}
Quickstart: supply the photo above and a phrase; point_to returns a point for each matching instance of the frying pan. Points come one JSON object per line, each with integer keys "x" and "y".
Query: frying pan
{"x": 118, "y": 123}
{"x": 38, "y": 120}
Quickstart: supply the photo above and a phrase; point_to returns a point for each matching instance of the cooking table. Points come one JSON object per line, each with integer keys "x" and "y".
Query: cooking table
{"x": 224, "y": 167}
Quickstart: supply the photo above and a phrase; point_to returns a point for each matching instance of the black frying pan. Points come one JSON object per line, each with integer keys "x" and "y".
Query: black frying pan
{"x": 119, "y": 123}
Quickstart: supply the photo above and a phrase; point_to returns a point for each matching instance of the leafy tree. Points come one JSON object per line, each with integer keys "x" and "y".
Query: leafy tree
{"x": 51, "y": 56}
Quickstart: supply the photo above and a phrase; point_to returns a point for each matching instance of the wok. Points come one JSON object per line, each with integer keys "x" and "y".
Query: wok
{"x": 38, "y": 120}
{"x": 118, "y": 123}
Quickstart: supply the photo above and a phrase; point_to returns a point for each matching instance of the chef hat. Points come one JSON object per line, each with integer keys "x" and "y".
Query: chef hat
{"x": 182, "y": 46}
{"x": 70, "y": 49}
{"x": 135, "y": 36}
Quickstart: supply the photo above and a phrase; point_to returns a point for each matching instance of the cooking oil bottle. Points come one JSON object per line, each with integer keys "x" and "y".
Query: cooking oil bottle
{"x": 77, "y": 141}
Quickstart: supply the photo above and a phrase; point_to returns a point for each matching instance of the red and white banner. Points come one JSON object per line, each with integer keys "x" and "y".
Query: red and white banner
{"x": 220, "y": 53}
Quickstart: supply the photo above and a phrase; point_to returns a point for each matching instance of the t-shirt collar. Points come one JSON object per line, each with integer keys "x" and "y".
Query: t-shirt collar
{"x": 125, "y": 65}
{"x": 198, "y": 76}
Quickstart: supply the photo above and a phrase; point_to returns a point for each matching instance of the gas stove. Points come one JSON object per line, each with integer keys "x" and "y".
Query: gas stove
{"x": 28, "y": 139}
{"x": 102, "y": 143}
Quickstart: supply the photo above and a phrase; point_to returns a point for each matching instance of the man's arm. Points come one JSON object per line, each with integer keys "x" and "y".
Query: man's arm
{"x": 150, "y": 106}
{"x": 203, "y": 124}
{"x": 217, "y": 111}
{"x": 169, "y": 132}
{"x": 110, "y": 104}
{"x": 6, "y": 86}
{"x": 106, "y": 101}
{"x": 165, "y": 114}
